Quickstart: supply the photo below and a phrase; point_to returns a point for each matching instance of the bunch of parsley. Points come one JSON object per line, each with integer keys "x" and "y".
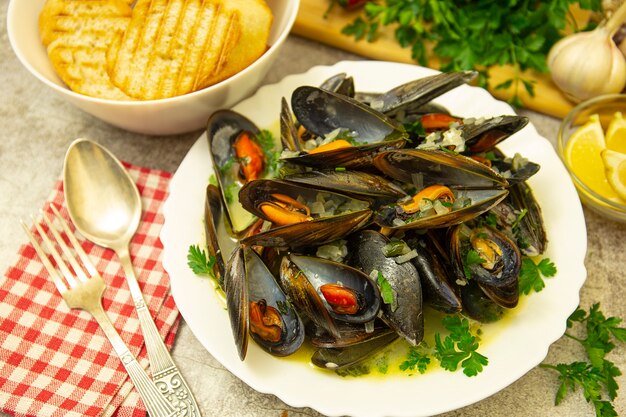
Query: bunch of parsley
{"x": 467, "y": 34}
{"x": 597, "y": 375}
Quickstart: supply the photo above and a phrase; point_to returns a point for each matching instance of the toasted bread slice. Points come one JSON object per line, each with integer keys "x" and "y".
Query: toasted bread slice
{"x": 82, "y": 66}
{"x": 170, "y": 45}
{"x": 256, "y": 22}
{"x": 77, "y": 34}
{"x": 103, "y": 17}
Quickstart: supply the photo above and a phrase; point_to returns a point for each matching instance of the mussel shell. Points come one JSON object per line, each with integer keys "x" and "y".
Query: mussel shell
{"x": 530, "y": 234}
{"x": 516, "y": 175}
{"x": 416, "y": 93}
{"x": 359, "y": 184}
{"x": 405, "y": 316}
{"x": 349, "y": 334}
{"x": 322, "y": 112}
{"x": 477, "y": 305}
{"x": 482, "y": 200}
{"x": 247, "y": 279}
{"x": 353, "y": 157}
{"x": 438, "y": 167}
{"x": 212, "y": 219}
{"x": 288, "y": 132}
{"x": 334, "y": 358}
{"x": 315, "y": 232}
{"x": 502, "y": 288}
{"x": 223, "y": 127}
{"x": 440, "y": 292}
{"x": 236, "y": 290}
{"x": 317, "y": 272}
{"x": 484, "y": 136}
{"x": 263, "y": 286}
{"x": 339, "y": 83}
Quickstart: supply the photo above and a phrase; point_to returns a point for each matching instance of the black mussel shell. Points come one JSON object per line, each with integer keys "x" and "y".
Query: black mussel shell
{"x": 482, "y": 136}
{"x": 404, "y": 314}
{"x": 335, "y": 358}
{"x": 416, "y": 93}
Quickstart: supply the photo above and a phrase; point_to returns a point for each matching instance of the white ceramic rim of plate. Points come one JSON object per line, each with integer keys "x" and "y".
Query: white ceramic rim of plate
{"x": 512, "y": 351}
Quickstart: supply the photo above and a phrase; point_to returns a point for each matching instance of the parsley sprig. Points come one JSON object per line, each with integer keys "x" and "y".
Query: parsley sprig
{"x": 457, "y": 349}
{"x": 199, "y": 262}
{"x": 474, "y": 34}
{"x": 596, "y": 376}
{"x": 532, "y": 274}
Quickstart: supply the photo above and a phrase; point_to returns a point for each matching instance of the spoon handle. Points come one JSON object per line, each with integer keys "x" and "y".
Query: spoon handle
{"x": 165, "y": 373}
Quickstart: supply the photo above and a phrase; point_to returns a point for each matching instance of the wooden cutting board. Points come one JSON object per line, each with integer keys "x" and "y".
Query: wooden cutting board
{"x": 310, "y": 23}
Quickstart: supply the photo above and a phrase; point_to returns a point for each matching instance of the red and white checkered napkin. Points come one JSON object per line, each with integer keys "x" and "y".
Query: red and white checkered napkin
{"x": 57, "y": 362}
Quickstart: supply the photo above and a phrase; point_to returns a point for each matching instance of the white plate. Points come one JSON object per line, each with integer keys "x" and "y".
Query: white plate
{"x": 514, "y": 347}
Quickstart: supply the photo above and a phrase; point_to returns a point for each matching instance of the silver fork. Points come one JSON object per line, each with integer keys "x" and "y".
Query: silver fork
{"x": 85, "y": 292}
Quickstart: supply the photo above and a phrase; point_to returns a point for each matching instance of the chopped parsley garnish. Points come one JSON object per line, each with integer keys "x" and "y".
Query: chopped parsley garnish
{"x": 199, "y": 262}
{"x": 531, "y": 274}
{"x": 459, "y": 347}
{"x": 471, "y": 258}
{"x": 213, "y": 180}
{"x": 596, "y": 377}
{"x": 386, "y": 292}
{"x": 415, "y": 360}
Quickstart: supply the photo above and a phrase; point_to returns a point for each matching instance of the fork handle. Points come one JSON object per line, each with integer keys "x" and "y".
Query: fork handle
{"x": 155, "y": 403}
{"x": 165, "y": 373}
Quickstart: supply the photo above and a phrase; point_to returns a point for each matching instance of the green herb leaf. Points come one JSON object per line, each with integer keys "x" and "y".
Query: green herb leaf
{"x": 386, "y": 292}
{"x": 531, "y": 274}
{"x": 459, "y": 347}
{"x": 415, "y": 360}
{"x": 199, "y": 262}
{"x": 597, "y": 375}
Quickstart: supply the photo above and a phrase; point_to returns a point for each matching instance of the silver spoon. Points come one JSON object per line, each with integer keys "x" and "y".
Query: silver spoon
{"x": 105, "y": 206}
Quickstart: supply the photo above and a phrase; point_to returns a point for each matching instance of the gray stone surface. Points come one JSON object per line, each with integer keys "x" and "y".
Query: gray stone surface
{"x": 36, "y": 128}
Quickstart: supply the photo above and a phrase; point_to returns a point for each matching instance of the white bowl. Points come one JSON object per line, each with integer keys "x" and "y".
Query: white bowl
{"x": 154, "y": 117}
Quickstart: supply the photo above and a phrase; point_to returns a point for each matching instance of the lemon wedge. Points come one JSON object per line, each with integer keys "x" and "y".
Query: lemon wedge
{"x": 583, "y": 154}
{"x": 616, "y": 133}
{"x": 615, "y": 165}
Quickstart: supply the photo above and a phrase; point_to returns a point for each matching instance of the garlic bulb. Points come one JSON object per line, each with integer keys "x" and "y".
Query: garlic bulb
{"x": 588, "y": 64}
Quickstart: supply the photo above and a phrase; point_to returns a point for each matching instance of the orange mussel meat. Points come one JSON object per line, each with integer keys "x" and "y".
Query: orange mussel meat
{"x": 250, "y": 156}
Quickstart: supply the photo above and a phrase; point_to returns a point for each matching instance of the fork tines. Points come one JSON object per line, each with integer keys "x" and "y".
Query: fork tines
{"x": 53, "y": 249}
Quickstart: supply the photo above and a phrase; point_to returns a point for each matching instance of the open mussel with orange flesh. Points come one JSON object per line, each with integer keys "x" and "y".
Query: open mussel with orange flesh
{"x": 360, "y": 184}
{"x": 414, "y": 94}
{"x": 302, "y": 215}
{"x": 402, "y": 299}
{"x": 327, "y": 291}
{"x": 347, "y": 132}
{"x": 238, "y": 157}
{"x": 449, "y": 189}
{"x": 489, "y": 258}
{"x": 258, "y": 308}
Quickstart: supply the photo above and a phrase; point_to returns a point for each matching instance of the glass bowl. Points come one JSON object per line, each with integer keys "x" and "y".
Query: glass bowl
{"x": 605, "y": 107}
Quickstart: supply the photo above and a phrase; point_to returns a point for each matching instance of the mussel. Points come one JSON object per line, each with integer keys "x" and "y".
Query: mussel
{"x": 304, "y": 216}
{"x": 403, "y": 312}
{"x": 327, "y": 291}
{"x": 258, "y": 307}
{"x": 352, "y": 132}
{"x": 451, "y": 189}
{"x": 489, "y": 258}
